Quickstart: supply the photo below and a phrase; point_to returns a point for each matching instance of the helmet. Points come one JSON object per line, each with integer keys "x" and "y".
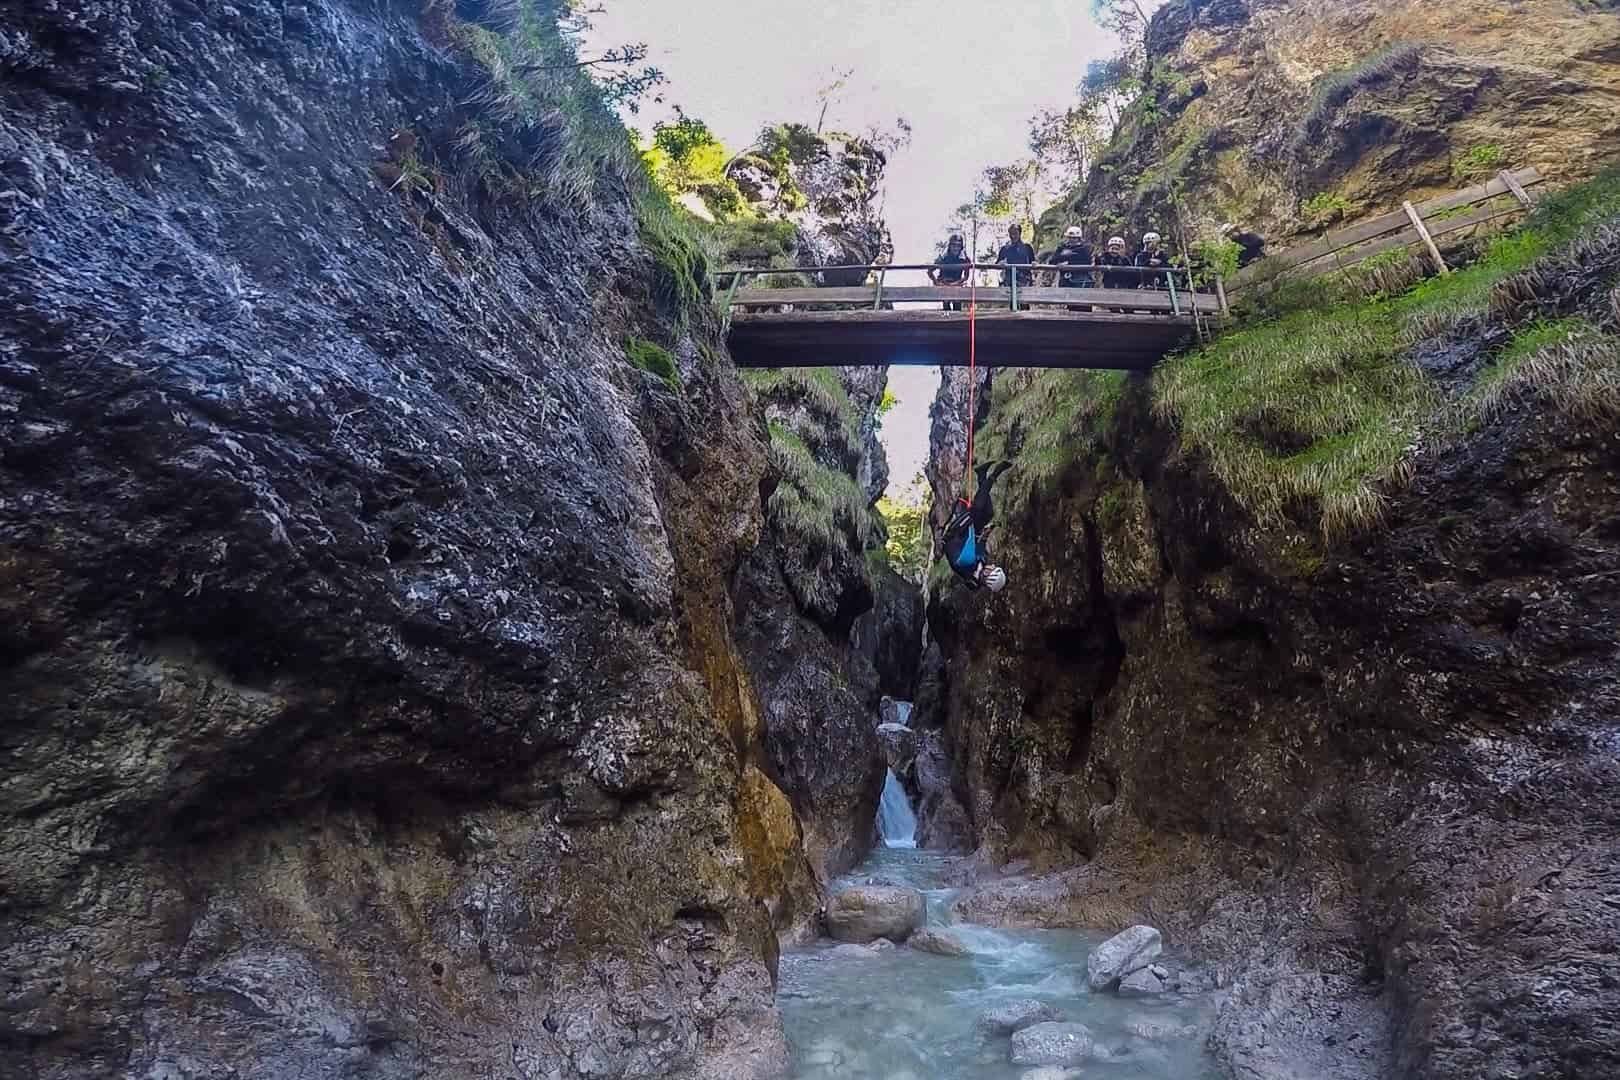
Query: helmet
{"x": 1112, "y": 240}
{"x": 994, "y": 577}
{"x": 1073, "y": 232}
{"x": 1151, "y": 238}
{"x": 1228, "y": 227}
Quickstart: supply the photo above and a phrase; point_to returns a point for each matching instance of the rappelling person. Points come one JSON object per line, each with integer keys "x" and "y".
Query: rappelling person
{"x": 1016, "y": 253}
{"x": 1073, "y": 251}
{"x": 1153, "y": 256}
{"x": 964, "y": 546}
{"x": 951, "y": 269}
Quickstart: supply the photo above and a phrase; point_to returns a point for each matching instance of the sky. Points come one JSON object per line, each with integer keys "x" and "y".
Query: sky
{"x": 967, "y": 75}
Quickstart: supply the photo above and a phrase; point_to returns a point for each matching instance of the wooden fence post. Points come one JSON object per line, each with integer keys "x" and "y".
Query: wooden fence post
{"x": 1423, "y": 231}
{"x": 1517, "y": 188}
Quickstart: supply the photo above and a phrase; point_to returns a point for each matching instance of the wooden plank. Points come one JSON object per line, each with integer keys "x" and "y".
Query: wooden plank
{"x": 1377, "y": 226}
{"x": 1428, "y": 241}
{"x": 1404, "y": 239}
{"x": 1517, "y": 188}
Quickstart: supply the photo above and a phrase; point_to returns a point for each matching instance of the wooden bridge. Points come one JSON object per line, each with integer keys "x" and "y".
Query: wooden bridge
{"x": 1017, "y": 326}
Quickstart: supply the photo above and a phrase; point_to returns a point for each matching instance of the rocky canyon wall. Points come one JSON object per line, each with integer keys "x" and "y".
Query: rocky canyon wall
{"x": 1254, "y": 107}
{"x": 1362, "y": 777}
{"x": 371, "y": 497}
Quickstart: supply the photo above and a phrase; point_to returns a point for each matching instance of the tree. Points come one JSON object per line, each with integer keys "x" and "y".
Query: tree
{"x": 909, "y": 541}
{"x": 686, "y": 158}
{"x": 1066, "y": 141}
{"x": 1128, "y": 20}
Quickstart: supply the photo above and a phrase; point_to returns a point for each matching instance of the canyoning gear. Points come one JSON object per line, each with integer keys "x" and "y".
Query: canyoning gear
{"x": 1073, "y": 232}
{"x": 1155, "y": 258}
{"x": 1149, "y": 239}
{"x": 994, "y": 578}
{"x": 1251, "y": 245}
{"x": 963, "y": 540}
{"x": 1073, "y": 252}
{"x": 953, "y": 269}
{"x": 1112, "y": 279}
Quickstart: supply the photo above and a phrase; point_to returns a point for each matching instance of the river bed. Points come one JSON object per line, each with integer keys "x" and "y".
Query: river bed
{"x": 902, "y": 1014}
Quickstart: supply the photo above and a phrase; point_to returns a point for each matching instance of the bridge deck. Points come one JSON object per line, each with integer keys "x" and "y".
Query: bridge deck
{"x": 1048, "y": 334}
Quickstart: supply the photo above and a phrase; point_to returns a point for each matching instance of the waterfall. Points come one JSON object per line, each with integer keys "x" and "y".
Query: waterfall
{"x": 896, "y": 823}
{"x": 902, "y": 713}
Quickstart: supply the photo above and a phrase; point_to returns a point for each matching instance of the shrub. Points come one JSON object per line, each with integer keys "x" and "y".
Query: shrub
{"x": 1325, "y": 207}
{"x": 1483, "y": 160}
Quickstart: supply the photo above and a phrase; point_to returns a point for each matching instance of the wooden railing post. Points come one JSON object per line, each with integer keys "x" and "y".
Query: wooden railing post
{"x": 1175, "y": 302}
{"x": 1517, "y": 188}
{"x": 1423, "y": 231}
{"x": 1220, "y": 296}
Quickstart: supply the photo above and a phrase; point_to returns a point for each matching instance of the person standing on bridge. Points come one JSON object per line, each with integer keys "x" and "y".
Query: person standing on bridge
{"x": 964, "y": 548}
{"x": 1154, "y": 257}
{"x": 1115, "y": 256}
{"x": 1017, "y": 253}
{"x": 951, "y": 269}
{"x": 1073, "y": 251}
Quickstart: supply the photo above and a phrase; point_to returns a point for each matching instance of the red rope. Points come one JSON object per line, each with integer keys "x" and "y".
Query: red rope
{"x": 973, "y": 386}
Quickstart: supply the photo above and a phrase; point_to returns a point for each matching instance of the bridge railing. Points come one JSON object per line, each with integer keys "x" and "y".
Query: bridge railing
{"x": 1175, "y": 280}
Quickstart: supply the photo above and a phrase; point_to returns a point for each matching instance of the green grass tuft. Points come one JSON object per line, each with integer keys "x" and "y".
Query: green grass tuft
{"x": 1048, "y": 421}
{"x": 1314, "y": 411}
{"x": 680, "y": 266}
{"x": 653, "y": 359}
{"x": 813, "y": 502}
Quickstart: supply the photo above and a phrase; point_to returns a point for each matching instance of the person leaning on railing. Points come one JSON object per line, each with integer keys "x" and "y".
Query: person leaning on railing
{"x": 951, "y": 269}
{"x": 1153, "y": 256}
{"x": 1017, "y": 253}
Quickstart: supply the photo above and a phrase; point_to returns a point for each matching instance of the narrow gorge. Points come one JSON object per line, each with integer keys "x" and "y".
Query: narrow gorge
{"x": 424, "y": 653}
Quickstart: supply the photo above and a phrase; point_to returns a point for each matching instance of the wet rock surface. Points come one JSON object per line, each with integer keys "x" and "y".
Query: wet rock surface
{"x": 1308, "y": 771}
{"x": 1126, "y": 952}
{"x": 938, "y": 942}
{"x": 1016, "y": 1015}
{"x": 863, "y": 913}
{"x": 360, "y": 715}
{"x": 1052, "y": 1044}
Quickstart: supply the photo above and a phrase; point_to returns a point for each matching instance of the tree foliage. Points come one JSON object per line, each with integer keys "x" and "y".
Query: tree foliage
{"x": 909, "y": 542}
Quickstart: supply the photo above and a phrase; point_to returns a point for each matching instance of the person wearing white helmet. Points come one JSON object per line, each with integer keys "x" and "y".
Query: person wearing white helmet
{"x": 1073, "y": 251}
{"x": 963, "y": 546}
{"x": 1154, "y": 257}
{"x": 1115, "y": 256}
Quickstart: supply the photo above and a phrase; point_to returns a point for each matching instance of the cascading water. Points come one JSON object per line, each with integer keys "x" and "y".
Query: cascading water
{"x": 896, "y": 823}
{"x": 854, "y": 1013}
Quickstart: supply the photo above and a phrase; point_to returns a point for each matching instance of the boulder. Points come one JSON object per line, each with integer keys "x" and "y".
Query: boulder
{"x": 1050, "y": 1072}
{"x": 938, "y": 942}
{"x": 864, "y": 913}
{"x": 899, "y": 745}
{"x": 1052, "y": 1044}
{"x": 1143, "y": 983}
{"x": 852, "y": 952}
{"x": 1017, "y": 1015}
{"x": 1125, "y": 952}
{"x": 1162, "y": 1029}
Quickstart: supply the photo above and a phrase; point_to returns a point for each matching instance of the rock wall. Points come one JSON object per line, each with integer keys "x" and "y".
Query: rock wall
{"x": 370, "y": 702}
{"x": 1366, "y": 785}
{"x": 1255, "y": 106}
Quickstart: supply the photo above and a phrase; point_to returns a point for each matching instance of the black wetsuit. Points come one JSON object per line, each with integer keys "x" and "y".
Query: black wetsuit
{"x": 1073, "y": 253}
{"x": 964, "y": 534}
{"x": 1113, "y": 279}
{"x": 1158, "y": 258}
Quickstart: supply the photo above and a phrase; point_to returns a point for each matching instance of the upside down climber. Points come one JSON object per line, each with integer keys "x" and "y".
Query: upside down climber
{"x": 964, "y": 533}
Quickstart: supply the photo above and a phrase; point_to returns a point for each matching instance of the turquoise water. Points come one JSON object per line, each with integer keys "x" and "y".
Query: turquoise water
{"x": 902, "y": 1014}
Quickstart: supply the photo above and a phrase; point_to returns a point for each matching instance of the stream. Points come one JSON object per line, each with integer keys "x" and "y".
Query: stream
{"x": 902, "y": 1014}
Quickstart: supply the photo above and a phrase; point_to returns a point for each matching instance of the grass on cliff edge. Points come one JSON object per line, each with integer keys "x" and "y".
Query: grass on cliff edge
{"x": 1317, "y": 408}
{"x": 823, "y": 506}
{"x": 1047, "y": 420}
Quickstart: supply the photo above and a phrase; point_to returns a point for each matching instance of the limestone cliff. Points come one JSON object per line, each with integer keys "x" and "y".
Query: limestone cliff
{"x": 370, "y": 497}
{"x": 1361, "y": 774}
{"x": 1254, "y": 107}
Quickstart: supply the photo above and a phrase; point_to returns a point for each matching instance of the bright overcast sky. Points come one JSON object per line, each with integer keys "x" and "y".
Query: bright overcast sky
{"x": 966, "y": 74}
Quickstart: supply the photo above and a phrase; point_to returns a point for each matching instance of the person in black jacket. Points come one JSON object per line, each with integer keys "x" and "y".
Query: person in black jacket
{"x": 1017, "y": 253}
{"x": 1115, "y": 256}
{"x": 1073, "y": 251}
{"x": 951, "y": 268}
{"x": 1251, "y": 245}
{"x": 1153, "y": 256}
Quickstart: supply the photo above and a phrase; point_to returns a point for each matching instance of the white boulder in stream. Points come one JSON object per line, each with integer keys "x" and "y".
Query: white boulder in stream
{"x": 1052, "y": 1044}
{"x": 1150, "y": 980}
{"x": 1126, "y": 952}
{"x": 938, "y": 942}
{"x": 865, "y": 913}
{"x": 1016, "y": 1016}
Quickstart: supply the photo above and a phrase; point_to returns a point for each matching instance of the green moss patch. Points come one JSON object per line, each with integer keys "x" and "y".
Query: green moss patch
{"x": 653, "y": 359}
